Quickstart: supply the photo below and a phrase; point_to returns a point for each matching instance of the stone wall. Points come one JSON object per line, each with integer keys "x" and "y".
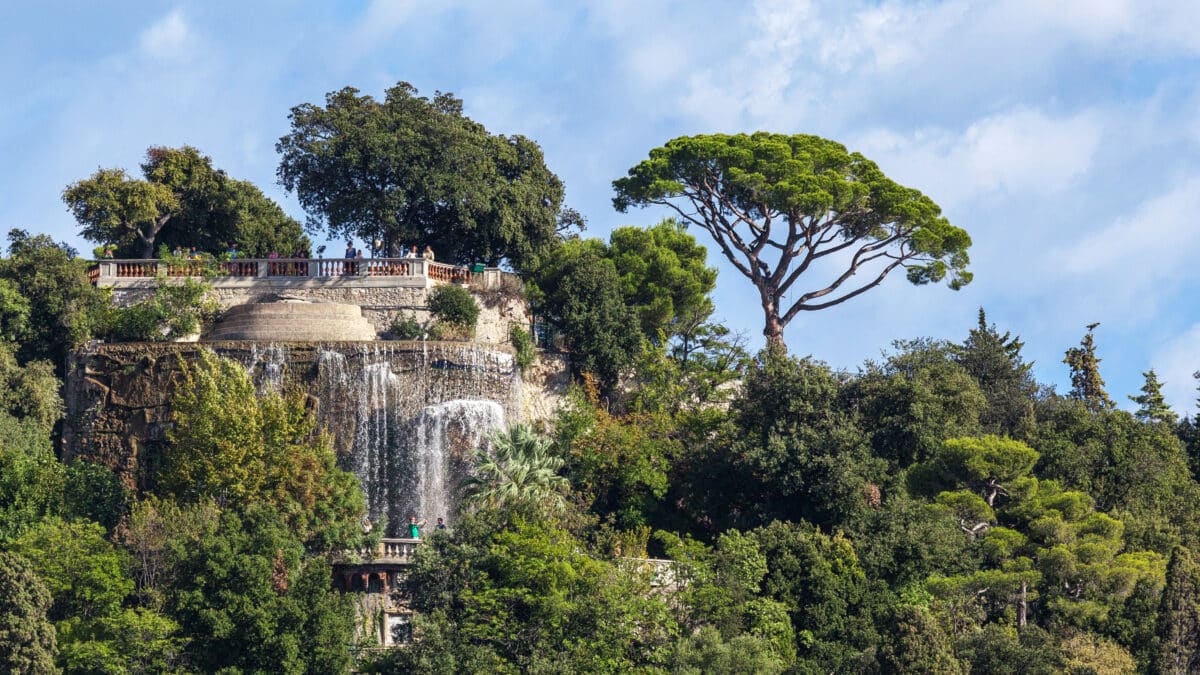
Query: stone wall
{"x": 117, "y": 394}
{"x": 380, "y": 301}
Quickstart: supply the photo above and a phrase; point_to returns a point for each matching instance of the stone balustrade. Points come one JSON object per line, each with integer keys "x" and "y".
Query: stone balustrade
{"x": 412, "y": 272}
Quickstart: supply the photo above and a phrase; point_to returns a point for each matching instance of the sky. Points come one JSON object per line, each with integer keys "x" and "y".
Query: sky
{"x": 1063, "y": 136}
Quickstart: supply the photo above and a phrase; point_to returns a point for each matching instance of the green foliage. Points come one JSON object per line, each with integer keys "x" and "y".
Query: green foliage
{"x": 828, "y": 597}
{"x": 987, "y": 465}
{"x": 705, "y": 651}
{"x": 523, "y": 344}
{"x": 1086, "y": 383}
{"x": 916, "y": 399}
{"x": 1001, "y": 649}
{"x": 1179, "y": 618}
{"x": 794, "y": 451}
{"x": 916, "y": 643}
{"x": 454, "y": 305}
{"x": 504, "y": 594}
{"x": 229, "y": 445}
{"x": 579, "y": 290}
{"x": 1152, "y": 406}
{"x": 247, "y": 599}
{"x": 178, "y": 308}
{"x": 182, "y": 201}
{"x": 776, "y": 203}
{"x": 1122, "y": 463}
{"x": 27, "y": 640}
{"x": 64, "y": 308}
{"x": 617, "y": 465}
{"x": 14, "y": 312}
{"x": 411, "y": 169}
{"x": 31, "y": 479}
{"x": 995, "y": 361}
{"x": 406, "y": 327}
{"x": 81, "y": 569}
{"x": 517, "y": 470}
{"x": 664, "y": 277}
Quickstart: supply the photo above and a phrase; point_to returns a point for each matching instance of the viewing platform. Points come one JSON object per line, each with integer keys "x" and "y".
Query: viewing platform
{"x": 284, "y": 273}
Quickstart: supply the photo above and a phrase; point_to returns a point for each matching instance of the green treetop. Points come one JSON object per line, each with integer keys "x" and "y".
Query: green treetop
{"x": 409, "y": 170}
{"x": 182, "y": 200}
{"x": 777, "y": 205}
{"x": 995, "y": 361}
{"x": 1086, "y": 383}
{"x": 1152, "y": 407}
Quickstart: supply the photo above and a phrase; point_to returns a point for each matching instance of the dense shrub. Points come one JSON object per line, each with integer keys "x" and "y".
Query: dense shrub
{"x": 522, "y": 342}
{"x": 454, "y": 305}
{"x": 406, "y": 327}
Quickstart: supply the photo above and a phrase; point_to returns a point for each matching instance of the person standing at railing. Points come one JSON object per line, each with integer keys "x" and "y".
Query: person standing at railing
{"x": 441, "y": 524}
{"x": 412, "y": 252}
{"x": 349, "y": 255}
{"x": 428, "y": 254}
{"x": 232, "y": 252}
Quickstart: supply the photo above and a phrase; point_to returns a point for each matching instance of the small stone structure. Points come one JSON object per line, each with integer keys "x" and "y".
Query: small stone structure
{"x": 293, "y": 321}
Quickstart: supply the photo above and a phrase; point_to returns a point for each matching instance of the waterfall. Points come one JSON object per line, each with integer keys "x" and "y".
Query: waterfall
{"x": 270, "y": 362}
{"x": 406, "y": 421}
{"x": 462, "y": 425}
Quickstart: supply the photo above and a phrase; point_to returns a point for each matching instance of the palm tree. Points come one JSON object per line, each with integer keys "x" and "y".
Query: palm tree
{"x": 519, "y": 470}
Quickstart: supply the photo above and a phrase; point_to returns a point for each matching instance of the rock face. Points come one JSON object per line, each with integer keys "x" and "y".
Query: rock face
{"x": 404, "y": 416}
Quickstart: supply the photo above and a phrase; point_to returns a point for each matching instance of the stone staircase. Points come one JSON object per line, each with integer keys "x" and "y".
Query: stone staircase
{"x": 293, "y": 322}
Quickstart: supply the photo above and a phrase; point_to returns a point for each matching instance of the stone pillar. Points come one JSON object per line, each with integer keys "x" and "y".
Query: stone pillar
{"x": 263, "y": 268}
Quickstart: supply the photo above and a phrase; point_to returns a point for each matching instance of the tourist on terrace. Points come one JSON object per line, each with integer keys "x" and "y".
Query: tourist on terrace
{"x": 108, "y": 254}
{"x": 414, "y": 527}
{"x": 350, "y": 255}
{"x": 232, "y": 253}
{"x": 441, "y": 525}
{"x": 428, "y": 255}
{"x": 412, "y": 252}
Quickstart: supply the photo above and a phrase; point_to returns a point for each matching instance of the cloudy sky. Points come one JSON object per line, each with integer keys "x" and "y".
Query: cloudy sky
{"x": 1064, "y": 136}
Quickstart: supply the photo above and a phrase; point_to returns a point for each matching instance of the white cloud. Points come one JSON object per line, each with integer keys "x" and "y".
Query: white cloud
{"x": 1174, "y": 362}
{"x": 1020, "y": 151}
{"x": 1159, "y": 238}
{"x": 167, "y": 37}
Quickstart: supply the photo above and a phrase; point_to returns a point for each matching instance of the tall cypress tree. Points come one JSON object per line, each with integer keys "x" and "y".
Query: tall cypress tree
{"x": 995, "y": 361}
{"x": 1152, "y": 407}
{"x": 1179, "y": 616}
{"x": 1086, "y": 383}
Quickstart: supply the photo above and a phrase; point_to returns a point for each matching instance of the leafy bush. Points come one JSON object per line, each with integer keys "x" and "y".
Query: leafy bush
{"x": 454, "y": 305}
{"x": 522, "y": 342}
{"x": 406, "y": 327}
{"x": 176, "y": 309}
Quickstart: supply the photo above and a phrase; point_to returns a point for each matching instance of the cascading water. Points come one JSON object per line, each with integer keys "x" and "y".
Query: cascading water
{"x": 441, "y": 430}
{"x": 406, "y": 422}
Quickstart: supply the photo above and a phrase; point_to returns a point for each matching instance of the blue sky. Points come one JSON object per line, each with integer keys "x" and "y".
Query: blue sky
{"x": 1064, "y": 136}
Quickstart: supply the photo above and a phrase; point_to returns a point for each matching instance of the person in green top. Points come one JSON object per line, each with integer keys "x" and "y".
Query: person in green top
{"x": 414, "y": 527}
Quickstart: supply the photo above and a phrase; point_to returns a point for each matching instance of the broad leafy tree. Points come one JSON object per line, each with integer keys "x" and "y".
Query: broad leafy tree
{"x": 412, "y": 170}
{"x": 663, "y": 275}
{"x": 579, "y": 291}
{"x": 28, "y": 643}
{"x": 810, "y": 224}
{"x": 241, "y": 450}
{"x": 181, "y": 200}
{"x": 65, "y": 310}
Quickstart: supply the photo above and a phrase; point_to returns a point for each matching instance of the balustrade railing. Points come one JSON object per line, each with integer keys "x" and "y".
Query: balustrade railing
{"x": 106, "y": 271}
